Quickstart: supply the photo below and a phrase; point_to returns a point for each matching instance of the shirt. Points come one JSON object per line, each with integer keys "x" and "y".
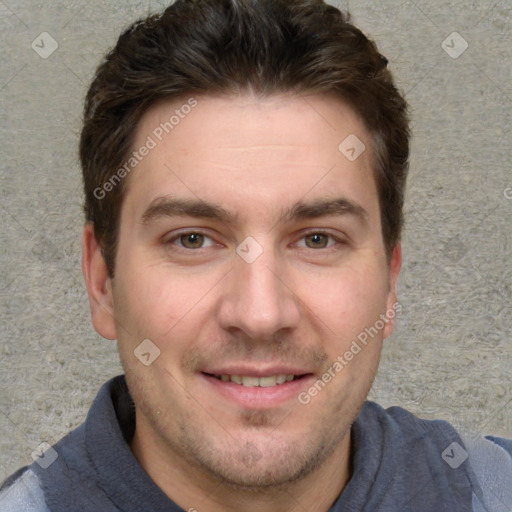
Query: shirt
{"x": 400, "y": 463}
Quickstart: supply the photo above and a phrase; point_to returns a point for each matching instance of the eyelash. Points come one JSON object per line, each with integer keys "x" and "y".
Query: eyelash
{"x": 338, "y": 241}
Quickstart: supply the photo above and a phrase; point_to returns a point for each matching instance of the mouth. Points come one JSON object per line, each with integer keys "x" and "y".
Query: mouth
{"x": 252, "y": 381}
{"x": 261, "y": 390}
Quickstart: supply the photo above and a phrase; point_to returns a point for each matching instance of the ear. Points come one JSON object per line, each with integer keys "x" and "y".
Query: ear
{"x": 392, "y": 305}
{"x": 99, "y": 285}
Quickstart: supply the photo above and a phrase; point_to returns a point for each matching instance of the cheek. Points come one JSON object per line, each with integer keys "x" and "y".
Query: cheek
{"x": 348, "y": 300}
{"x": 151, "y": 302}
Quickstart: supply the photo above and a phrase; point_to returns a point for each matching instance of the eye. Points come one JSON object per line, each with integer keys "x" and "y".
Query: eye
{"x": 192, "y": 240}
{"x": 318, "y": 240}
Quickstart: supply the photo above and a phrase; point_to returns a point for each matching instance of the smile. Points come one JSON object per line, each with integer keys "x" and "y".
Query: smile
{"x": 263, "y": 391}
{"x": 253, "y": 381}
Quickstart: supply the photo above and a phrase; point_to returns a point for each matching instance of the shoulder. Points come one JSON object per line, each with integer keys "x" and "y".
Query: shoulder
{"x": 490, "y": 458}
{"x": 486, "y": 460}
{"x": 21, "y": 492}
{"x": 408, "y": 427}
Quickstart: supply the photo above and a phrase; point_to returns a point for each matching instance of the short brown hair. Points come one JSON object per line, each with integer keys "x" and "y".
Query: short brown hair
{"x": 223, "y": 46}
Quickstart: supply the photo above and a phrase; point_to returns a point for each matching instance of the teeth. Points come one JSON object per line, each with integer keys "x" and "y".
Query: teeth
{"x": 250, "y": 381}
{"x": 267, "y": 382}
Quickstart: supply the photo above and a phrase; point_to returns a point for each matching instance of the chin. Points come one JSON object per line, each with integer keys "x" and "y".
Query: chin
{"x": 261, "y": 465}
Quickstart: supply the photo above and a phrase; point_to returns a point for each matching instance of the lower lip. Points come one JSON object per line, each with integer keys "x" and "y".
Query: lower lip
{"x": 257, "y": 397}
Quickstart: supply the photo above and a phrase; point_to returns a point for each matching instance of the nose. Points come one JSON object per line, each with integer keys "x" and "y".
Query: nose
{"x": 259, "y": 298}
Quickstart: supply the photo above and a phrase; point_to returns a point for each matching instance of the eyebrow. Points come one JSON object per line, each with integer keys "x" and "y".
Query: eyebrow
{"x": 175, "y": 207}
{"x": 323, "y": 208}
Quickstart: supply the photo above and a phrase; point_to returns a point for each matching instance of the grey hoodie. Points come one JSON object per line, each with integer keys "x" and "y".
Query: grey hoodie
{"x": 400, "y": 464}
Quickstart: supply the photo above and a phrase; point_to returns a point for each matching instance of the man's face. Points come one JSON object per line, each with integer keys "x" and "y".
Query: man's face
{"x": 251, "y": 246}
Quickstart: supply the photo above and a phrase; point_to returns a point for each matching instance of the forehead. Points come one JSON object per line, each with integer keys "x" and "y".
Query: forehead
{"x": 244, "y": 151}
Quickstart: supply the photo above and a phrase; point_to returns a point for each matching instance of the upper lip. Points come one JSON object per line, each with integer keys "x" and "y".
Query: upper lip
{"x": 252, "y": 371}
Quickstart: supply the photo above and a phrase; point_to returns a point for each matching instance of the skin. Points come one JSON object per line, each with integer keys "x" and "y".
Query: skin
{"x": 301, "y": 302}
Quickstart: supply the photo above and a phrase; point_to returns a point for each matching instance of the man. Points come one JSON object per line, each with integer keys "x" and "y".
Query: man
{"x": 244, "y": 165}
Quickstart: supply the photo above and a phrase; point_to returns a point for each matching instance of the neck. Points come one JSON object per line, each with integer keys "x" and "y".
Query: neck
{"x": 193, "y": 487}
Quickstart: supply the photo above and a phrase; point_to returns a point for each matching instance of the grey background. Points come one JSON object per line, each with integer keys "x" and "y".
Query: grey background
{"x": 451, "y": 354}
